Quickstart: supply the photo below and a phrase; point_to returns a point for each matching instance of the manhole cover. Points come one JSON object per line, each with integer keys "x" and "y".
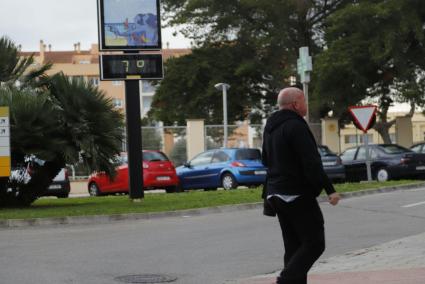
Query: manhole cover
{"x": 146, "y": 278}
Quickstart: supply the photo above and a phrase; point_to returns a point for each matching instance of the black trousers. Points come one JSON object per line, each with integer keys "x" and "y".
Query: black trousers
{"x": 302, "y": 226}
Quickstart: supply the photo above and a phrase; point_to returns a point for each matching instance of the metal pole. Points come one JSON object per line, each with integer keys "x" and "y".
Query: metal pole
{"x": 305, "y": 87}
{"x": 368, "y": 167}
{"x": 134, "y": 139}
{"x": 225, "y": 115}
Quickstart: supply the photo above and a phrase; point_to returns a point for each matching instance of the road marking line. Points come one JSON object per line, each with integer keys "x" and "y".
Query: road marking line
{"x": 413, "y": 204}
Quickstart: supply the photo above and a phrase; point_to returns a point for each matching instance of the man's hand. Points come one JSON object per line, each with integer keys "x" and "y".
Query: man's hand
{"x": 334, "y": 198}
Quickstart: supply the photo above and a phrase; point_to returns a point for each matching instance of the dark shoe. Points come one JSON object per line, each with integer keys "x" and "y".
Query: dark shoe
{"x": 279, "y": 280}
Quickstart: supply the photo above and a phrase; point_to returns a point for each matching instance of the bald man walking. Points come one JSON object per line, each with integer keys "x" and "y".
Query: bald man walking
{"x": 295, "y": 177}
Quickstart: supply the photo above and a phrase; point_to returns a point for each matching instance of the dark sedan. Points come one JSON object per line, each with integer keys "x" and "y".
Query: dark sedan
{"x": 332, "y": 164}
{"x": 418, "y": 147}
{"x": 388, "y": 161}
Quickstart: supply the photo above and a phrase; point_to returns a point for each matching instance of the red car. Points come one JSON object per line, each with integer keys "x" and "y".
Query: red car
{"x": 158, "y": 172}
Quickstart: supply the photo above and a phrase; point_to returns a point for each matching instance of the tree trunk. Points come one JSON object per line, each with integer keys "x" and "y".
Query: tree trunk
{"x": 383, "y": 126}
{"x": 383, "y": 129}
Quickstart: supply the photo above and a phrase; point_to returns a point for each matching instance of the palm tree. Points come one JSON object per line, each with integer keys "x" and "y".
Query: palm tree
{"x": 36, "y": 129}
{"x": 92, "y": 127}
{"x": 14, "y": 68}
{"x": 57, "y": 119}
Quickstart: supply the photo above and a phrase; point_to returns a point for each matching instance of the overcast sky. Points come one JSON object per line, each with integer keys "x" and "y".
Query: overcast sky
{"x": 60, "y": 23}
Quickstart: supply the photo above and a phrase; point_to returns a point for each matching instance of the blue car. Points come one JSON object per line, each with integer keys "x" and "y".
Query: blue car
{"x": 226, "y": 168}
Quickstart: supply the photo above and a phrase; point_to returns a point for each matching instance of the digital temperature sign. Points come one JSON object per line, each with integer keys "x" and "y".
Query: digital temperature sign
{"x": 131, "y": 66}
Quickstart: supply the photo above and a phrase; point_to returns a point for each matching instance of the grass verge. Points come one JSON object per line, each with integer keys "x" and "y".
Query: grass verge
{"x": 109, "y": 205}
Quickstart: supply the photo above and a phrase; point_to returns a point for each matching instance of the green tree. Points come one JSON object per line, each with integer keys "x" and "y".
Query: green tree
{"x": 255, "y": 45}
{"x": 375, "y": 53}
{"x": 188, "y": 89}
{"x": 71, "y": 121}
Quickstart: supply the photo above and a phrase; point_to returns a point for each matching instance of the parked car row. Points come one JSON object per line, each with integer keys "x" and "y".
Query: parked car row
{"x": 229, "y": 168}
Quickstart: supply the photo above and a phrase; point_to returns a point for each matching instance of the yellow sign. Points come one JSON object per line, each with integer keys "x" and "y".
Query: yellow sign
{"x": 4, "y": 142}
{"x": 4, "y": 111}
{"x": 332, "y": 127}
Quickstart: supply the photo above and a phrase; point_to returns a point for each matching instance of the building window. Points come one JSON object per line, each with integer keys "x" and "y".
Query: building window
{"x": 356, "y": 139}
{"x": 147, "y": 87}
{"x": 117, "y": 103}
{"x": 350, "y": 139}
{"x": 94, "y": 81}
{"x": 116, "y": 83}
{"x": 370, "y": 140}
{"x": 78, "y": 78}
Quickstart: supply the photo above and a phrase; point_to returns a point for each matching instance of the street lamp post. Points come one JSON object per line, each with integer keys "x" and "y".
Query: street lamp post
{"x": 224, "y": 87}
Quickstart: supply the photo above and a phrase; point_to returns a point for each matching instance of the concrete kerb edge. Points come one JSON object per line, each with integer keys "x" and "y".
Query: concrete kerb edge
{"x": 102, "y": 219}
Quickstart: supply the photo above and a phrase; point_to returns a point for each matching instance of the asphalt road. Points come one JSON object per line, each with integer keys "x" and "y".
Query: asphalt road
{"x": 210, "y": 249}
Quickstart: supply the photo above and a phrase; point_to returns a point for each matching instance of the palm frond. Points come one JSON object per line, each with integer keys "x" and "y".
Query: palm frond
{"x": 12, "y": 66}
{"x": 91, "y": 124}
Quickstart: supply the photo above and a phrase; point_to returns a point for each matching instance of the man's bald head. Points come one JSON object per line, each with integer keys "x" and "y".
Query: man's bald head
{"x": 288, "y": 96}
{"x": 292, "y": 99}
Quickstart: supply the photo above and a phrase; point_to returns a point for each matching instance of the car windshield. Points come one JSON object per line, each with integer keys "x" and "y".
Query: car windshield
{"x": 154, "y": 157}
{"x": 393, "y": 149}
{"x": 248, "y": 154}
{"x": 324, "y": 151}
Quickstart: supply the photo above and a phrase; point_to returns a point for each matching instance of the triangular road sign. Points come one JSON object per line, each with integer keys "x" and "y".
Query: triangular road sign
{"x": 363, "y": 115}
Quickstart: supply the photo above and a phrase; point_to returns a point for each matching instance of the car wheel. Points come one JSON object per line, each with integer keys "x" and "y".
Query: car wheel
{"x": 94, "y": 190}
{"x": 179, "y": 188}
{"x": 382, "y": 175}
{"x": 228, "y": 181}
{"x": 171, "y": 189}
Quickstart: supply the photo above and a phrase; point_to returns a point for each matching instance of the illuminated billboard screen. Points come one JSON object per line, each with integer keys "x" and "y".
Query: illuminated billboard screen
{"x": 129, "y": 24}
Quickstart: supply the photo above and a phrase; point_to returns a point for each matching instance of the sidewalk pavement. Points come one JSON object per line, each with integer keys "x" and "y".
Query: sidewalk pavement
{"x": 397, "y": 262}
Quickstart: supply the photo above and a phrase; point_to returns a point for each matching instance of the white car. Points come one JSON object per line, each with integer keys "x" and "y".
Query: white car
{"x": 60, "y": 186}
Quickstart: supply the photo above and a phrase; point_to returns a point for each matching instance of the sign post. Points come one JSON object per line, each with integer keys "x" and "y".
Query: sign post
{"x": 131, "y": 26}
{"x": 363, "y": 118}
{"x": 4, "y": 142}
{"x": 304, "y": 67}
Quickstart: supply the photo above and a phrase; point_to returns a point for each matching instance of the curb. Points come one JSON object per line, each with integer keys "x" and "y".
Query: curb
{"x": 104, "y": 219}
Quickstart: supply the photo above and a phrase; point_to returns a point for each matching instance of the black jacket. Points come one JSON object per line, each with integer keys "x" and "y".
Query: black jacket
{"x": 291, "y": 156}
